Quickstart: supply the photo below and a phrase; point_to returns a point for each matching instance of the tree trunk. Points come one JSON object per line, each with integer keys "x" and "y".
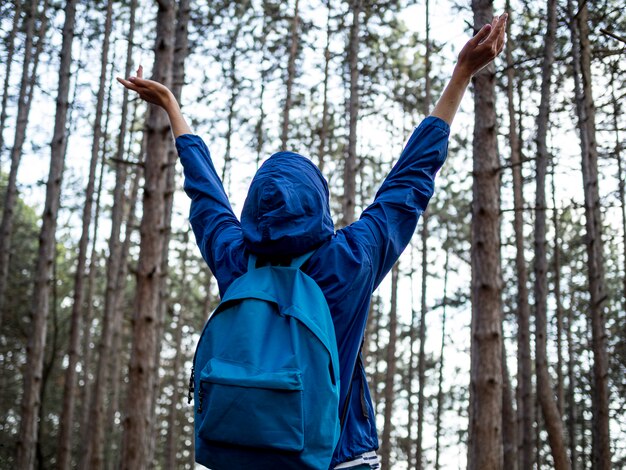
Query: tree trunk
{"x": 525, "y": 407}
{"x": 116, "y": 373}
{"x": 37, "y": 337}
{"x": 385, "y": 448}
{"x": 17, "y": 13}
{"x": 549, "y": 409}
{"x": 92, "y": 457}
{"x": 141, "y": 377}
{"x": 321, "y": 153}
{"x": 593, "y": 223}
{"x": 181, "y": 51}
{"x": 350, "y": 164}
{"x": 291, "y": 74}
{"x": 620, "y": 175}
{"x": 571, "y": 393}
{"x": 509, "y": 434}
{"x": 560, "y": 393}
{"x": 173, "y": 430}
{"x": 444, "y": 302}
{"x": 421, "y": 358}
{"x": 27, "y": 86}
{"x": 485, "y": 414}
{"x": 259, "y": 127}
{"x": 67, "y": 414}
{"x": 411, "y": 366}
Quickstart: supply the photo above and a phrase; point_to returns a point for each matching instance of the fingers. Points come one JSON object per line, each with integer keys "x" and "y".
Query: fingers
{"x": 128, "y": 84}
{"x": 140, "y": 71}
{"x": 142, "y": 82}
{"x": 480, "y": 35}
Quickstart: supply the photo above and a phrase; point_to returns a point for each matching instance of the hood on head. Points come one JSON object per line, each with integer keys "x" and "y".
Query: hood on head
{"x": 287, "y": 210}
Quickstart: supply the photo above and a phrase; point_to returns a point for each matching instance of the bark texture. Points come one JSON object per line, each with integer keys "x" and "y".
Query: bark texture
{"x": 93, "y": 456}
{"x": 601, "y": 442}
{"x": 485, "y": 425}
{"x": 294, "y": 45}
{"x": 41, "y": 295}
{"x": 23, "y": 110}
{"x": 350, "y": 163}
{"x": 66, "y": 420}
{"x": 549, "y": 409}
{"x": 141, "y": 377}
{"x": 385, "y": 449}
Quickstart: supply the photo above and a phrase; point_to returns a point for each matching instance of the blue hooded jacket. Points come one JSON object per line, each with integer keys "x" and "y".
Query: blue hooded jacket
{"x": 287, "y": 213}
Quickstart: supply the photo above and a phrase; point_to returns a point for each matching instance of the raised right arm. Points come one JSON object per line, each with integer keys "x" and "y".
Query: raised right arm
{"x": 217, "y": 229}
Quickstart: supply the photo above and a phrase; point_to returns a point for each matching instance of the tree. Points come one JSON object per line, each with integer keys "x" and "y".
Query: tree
{"x": 485, "y": 427}
{"x": 141, "y": 369}
{"x": 525, "y": 409}
{"x": 385, "y": 451}
{"x": 350, "y": 163}
{"x": 69, "y": 394}
{"x": 549, "y": 409}
{"x": 36, "y": 341}
{"x": 291, "y": 73}
{"x": 27, "y": 86}
{"x": 17, "y": 13}
{"x": 92, "y": 455}
{"x": 585, "y": 109}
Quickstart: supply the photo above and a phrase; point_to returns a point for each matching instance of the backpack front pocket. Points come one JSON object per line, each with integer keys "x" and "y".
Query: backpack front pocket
{"x": 244, "y": 406}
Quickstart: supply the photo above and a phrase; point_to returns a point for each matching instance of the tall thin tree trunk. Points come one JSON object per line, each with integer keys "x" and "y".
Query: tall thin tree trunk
{"x": 446, "y": 268}
{"x": 181, "y": 50}
{"x": 485, "y": 414}
{"x": 411, "y": 366}
{"x": 549, "y": 409}
{"x": 581, "y": 51}
{"x": 141, "y": 377}
{"x": 421, "y": 358}
{"x": 259, "y": 127}
{"x": 66, "y": 421}
{"x": 350, "y": 164}
{"x": 385, "y": 449}
{"x": 27, "y": 86}
{"x": 37, "y": 337}
{"x": 620, "y": 176}
{"x": 49, "y": 361}
{"x": 116, "y": 374}
{"x": 294, "y": 45}
{"x": 572, "y": 415}
{"x": 92, "y": 457}
{"x": 556, "y": 265}
{"x": 234, "y": 92}
{"x": 509, "y": 429}
{"x": 17, "y": 13}
{"x": 525, "y": 407}
{"x": 173, "y": 434}
{"x": 321, "y": 153}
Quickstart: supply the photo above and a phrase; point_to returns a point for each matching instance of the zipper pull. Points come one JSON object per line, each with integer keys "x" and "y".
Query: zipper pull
{"x": 200, "y": 400}
{"x": 191, "y": 386}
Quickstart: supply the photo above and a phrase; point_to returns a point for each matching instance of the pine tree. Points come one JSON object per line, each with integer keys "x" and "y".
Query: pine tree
{"x": 36, "y": 342}
{"x": 485, "y": 428}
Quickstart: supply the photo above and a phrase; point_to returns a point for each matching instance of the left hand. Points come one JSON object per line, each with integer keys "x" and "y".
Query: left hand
{"x": 483, "y": 48}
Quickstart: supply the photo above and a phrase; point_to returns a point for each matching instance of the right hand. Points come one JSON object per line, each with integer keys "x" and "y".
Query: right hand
{"x": 149, "y": 90}
{"x": 483, "y": 47}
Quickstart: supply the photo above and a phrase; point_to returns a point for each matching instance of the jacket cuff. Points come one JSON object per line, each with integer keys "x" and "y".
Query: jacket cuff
{"x": 434, "y": 121}
{"x": 185, "y": 140}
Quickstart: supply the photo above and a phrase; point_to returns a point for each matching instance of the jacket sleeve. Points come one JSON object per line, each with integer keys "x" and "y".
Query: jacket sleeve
{"x": 386, "y": 226}
{"x": 215, "y": 226}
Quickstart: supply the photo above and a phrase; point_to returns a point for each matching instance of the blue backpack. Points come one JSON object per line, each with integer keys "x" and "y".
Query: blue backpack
{"x": 265, "y": 377}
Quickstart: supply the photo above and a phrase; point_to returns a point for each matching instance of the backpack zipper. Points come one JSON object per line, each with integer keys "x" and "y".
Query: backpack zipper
{"x": 191, "y": 386}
